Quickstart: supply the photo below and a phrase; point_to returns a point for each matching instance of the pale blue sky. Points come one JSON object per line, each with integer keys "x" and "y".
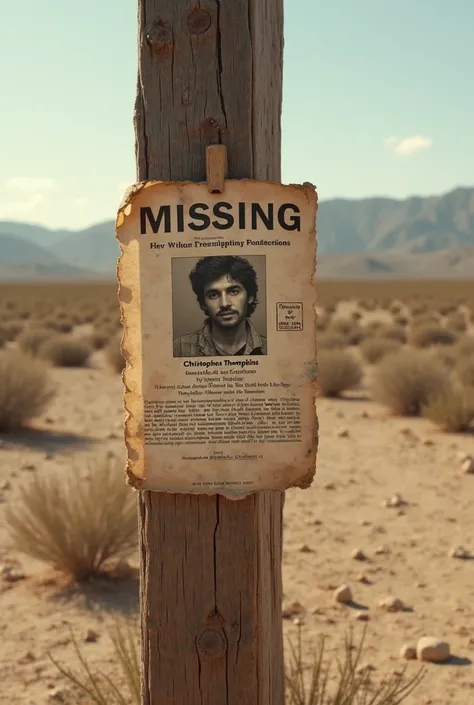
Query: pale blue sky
{"x": 356, "y": 73}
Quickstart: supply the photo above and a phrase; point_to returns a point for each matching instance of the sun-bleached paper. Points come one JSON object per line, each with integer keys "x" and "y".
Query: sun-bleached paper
{"x": 217, "y": 297}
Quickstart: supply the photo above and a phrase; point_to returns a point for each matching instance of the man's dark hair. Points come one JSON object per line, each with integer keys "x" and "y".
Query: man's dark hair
{"x": 208, "y": 269}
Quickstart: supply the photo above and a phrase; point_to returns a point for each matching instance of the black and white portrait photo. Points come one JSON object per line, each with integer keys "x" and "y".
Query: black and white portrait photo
{"x": 219, "y": 306}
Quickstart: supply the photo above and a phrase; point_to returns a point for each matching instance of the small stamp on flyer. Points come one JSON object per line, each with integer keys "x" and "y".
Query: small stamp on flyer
{"x": 290, "y": 316}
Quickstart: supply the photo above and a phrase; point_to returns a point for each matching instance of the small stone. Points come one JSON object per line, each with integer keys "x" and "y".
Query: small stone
{"x": 365, "y": 668}
{"x": 28, "y": 466}
{"x": 28, "y": 657}
{"x": 396, "y": 500}
{"x": 430, "y": 648}
{"x": 298, "y": 622}
{"x": 462, "y": 630}
{"x": 112, "y": 435}
{"x": 364, "y": 415}
{"x": 467, "y": 465}
{"x": 58, "y": 695}
{"x": 6, "y": 485}
{"x": 343, "y": 594}
{"x": 305, "y": 548}
{"x": 408, "y": 652}
{"x": 362, "y": 616}
{"x": 11, "y": 574}
{"x": 358, "y": 554}
{"x": 295, "y": 609}
{"x": 361, "y": 578}
{"x": 329, "y": 486}
{"x": 49, "y": 456}
{"x": 458, "y": 552}
{"x": 382, "y": 550}
{"x": 91, "y": 636}
{"x": 392, "y": 604}
{"x": 343, "y": 433}
{"x": 428, "y": 442}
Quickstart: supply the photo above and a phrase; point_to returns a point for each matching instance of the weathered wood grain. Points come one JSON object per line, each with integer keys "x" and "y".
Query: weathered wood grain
{"x": 210, "y": 72}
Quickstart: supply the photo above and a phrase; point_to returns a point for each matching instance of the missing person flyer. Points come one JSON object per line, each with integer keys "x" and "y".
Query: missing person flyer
{"x": 217, "y": 296}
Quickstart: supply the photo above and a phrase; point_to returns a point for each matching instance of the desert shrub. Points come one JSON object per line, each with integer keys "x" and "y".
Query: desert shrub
{"x": 346, "y": 328}
{"x": 65, "y": 351}
{"x": 425, "y": 319}
{"x": 77, "y": 525}
{"x": 98, "y": 340}
{"x": 465, "y": 347}
{"x": 403, "y": 381}
{"x": 346, "y": 683}
{"x": 395, "y": 307}
{"x": 114, "y": 354}
{"x": 446, "y": 354}
{"x": 330, "y": 341}
{"x": 13, "y": 329}
{"x": 375, "y": 348}
{"x": 392, "y": 332}
{"x": 25, "y": 389}
{"x": 425, "y": 336}
{"x": 356, "y": 315}
{"x": 31, "y": 339}
{"x": 448, "y": 308}
{"x": 371, "y": 328}
{"x": 451, "y": 409}
{"x": 401, "y": 320}
{"x": 465, "y": 371}
{"x": 338, "y": 371}
{"x": 456, "y": 322}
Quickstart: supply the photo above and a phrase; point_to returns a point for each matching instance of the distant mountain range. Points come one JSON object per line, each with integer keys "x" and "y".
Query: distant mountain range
{"x": 419, "y": 236}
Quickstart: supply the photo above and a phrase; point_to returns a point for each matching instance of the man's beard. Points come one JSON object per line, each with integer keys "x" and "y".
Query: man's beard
{"x": 228, "y": 319}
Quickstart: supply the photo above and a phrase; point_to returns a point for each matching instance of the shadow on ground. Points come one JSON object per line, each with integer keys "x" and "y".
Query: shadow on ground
{"x": 46, "y": 440}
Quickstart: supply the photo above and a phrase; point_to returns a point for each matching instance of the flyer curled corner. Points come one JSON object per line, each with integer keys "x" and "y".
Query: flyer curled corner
{"x": 130, "y": 344}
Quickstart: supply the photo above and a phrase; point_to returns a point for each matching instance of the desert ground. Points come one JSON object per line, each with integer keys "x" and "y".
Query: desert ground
{"x": 391, "y": 499}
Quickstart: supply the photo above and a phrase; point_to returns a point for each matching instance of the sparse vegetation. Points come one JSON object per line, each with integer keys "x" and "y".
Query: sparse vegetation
{"x": 77, "y": 525}
{"x": 427, "y": 335}
{"x": 451, "y": 409}
{"x": 338, "y": 371}
{"x": 25, "y": 389}
{"x": 405, "y": 380}
{"x": 65, "y": 350}
{"x": 32, "y": 339}
{"x": 352, "y": 684}
{"x": 114, "y": 354}
{"x": 376, "y": 348}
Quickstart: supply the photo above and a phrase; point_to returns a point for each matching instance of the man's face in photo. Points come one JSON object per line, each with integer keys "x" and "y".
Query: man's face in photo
{"x": 226, "y": 302}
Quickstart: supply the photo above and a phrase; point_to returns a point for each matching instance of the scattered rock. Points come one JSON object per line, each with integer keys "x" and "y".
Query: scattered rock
{"x": 91, "y": 636}
{"x": 358, "y": 554}
{"x": 28, "y": 657}
{"x": 458, "y": 552}
{"x": 329, "y": 486}
{"x": 298, "y": 622}
{"x": 361, "y": 578}
{"x": 11, "y": 574}
{"x": 382, "y": 550}
{"x": 365, "y": 522}
{"x": 462, "y": 630}
{"x": 296, "y": 609}
{"x": 362, "y": 616}
{"x": 428, "y": 442}
{"x": 28, "y": 466}
{"x": 305, "y": 548}
{"x": 408, "y": 652}
{"x": 364, "y": 415}
{"x": 396, "y": 500}
{"x": 6, "y": 485}
{"x": 343, "y": 433}
{"x": 58, "y": 695}
{"x": 467, "y": 465}
{"x": 430, "y": 648}
{"x": 343, "y": 594}
{"x": 392, "y": 604}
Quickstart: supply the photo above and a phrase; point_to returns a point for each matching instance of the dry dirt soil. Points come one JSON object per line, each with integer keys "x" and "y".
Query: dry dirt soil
{"x": 364, "y": 458}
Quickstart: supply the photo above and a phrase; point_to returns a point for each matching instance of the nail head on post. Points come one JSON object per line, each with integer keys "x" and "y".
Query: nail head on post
{"x": 216, "y": 167}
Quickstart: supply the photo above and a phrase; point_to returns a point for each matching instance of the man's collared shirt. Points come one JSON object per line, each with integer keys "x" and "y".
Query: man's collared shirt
{"x": 200, "y": 343}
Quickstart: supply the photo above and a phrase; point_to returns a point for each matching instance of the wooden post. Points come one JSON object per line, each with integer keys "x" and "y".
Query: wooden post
{"x": 208, "y": 73}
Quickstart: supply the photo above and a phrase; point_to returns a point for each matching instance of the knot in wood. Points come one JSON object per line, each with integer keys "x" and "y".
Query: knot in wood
{"x": 199, "y": 20}
{"x": 211, "y": 643}
{"x": 159, "y": 37}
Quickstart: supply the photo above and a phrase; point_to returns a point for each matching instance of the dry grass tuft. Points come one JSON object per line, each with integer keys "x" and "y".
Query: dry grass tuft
{"x": 97, "y": 687}
{"x": 77, "y": 525}
{"x": 405, "y": 380}
{"x": 465, "y": 371}
{"x": 25, "y": 389}
{"x": 456, "y": 322}
{"x": 451, "y": 409}
{"x": 428, "y": 335}
{"x": 352, "y": 684}
{"x": 338, "y": 371}
{"x": 376, "y": 348}
{"x": 65, "y": 351}
{"x": 32, "y": 339}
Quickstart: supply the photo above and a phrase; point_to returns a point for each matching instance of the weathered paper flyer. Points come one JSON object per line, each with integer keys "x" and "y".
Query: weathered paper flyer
{"x": 217, "y": 296}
